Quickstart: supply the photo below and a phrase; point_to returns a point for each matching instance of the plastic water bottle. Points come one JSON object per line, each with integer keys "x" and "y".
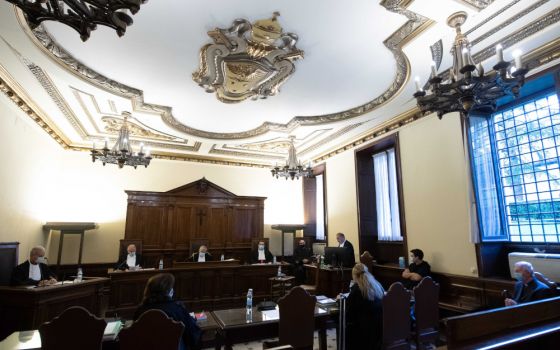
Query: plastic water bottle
{"x": 274, "y": 259}
{"x": 401, "y": 262}
{"x": 80, "y": 275}
{"x": 279, "y": 274}
{"x": 222, "y": 257}
{"x": 161, "y": 264}
{"x": 250, "y": 299}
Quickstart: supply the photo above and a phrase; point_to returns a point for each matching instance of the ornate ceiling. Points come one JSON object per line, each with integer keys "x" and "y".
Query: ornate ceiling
{"x": 353, "y": 83}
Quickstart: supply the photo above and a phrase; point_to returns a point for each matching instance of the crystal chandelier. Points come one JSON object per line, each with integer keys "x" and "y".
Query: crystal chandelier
{"x": 121, "y": 153}
{"x": 293, "y": 168}
{"x": 468, "y": 88}
{"x": 83, "y": 15}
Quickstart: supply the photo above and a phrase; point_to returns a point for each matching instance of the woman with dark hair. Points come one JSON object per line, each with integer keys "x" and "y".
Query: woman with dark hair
{"x": 364, "y": 311}
{"x": 158, "y": 294}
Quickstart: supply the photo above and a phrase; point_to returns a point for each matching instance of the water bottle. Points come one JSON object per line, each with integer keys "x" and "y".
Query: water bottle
{"x": 80, "y": 275}
{"x": 274, "y": 259}
{"x": 279, "y": 274}
{"x": 401, "y": 262}
{"x": 222, "y": 257}
{"x": 250, "y": 299}
{"x": 161, "y": 264}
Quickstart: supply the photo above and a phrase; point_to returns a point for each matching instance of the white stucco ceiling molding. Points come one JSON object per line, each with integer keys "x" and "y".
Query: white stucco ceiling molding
{"x": 414, "y": 26}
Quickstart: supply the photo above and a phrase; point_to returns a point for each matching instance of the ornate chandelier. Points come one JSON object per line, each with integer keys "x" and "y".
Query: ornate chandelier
{"x": 82, "y": 15}
{"x": 121, "y": 153}
{"x": 293, "y": 168}
{"x": 467, "y": 88}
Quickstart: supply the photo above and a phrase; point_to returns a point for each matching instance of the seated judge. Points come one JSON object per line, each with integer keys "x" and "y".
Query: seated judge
{"x": 349, "y": 260}
{"x": 202, "y": 255}
{"x": 417, "y": 269}
{"x": 261, "y": 255}
{"x": 302, "y": 255}
{"x": 364, "y": 311}
{"x": 528, "y": 288}
{"x": 35, "y": 271}
{"x": 158, "y": 294}
{"x": 130, "y": 259}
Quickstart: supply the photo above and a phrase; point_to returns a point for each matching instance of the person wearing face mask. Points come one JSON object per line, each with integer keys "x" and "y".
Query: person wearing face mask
{"x": 262, "y": 255}
{"x": 202, "y": 255}
{"x": 34, "y": 271}
{"x": 528, "y": 288}
{"x": 417, "y": 269}
{"x": 158, "y": 295}
{"x": 302, "y": 256}
{"x": 129, "y": 260}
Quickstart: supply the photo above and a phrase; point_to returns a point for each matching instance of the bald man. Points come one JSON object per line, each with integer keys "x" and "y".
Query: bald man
{"x": 528, "y": 288}
{"x": 35, "y": 271}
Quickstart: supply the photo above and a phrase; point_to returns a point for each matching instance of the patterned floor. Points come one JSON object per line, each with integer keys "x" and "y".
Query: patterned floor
{"x": 331, "y": 343}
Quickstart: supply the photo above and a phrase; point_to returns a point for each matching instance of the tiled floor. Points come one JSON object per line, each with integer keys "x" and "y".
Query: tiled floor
{"x": 331, "y": 342}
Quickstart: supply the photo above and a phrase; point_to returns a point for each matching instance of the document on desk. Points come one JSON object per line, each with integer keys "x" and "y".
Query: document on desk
{"x": 112, "y": 330}
{"x": 270, "y": 315}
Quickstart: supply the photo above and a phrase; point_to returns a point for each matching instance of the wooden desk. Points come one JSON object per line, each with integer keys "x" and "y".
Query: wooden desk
{"x": 218, "y": 263}
{"x": 200, "y": 286}
{"x": 236, "y": 327}
{"x": 24, "y": 308}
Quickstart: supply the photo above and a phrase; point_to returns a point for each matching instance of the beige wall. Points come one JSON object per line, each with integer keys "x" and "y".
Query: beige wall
{"x": 434, "y": 194}
{"x": 41, "y": 182}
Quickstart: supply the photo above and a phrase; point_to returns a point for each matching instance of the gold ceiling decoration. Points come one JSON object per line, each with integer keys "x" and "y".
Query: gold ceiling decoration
{"x": 247, "y": 60}
{"x": 113, "y": 125}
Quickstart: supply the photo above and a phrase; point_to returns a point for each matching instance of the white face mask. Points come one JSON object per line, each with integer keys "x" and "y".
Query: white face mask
{"x": 261, "y": 247}
{"x": 41, "y": 260}
{"x": 201, "y": 253}
{"x": 132, "y": 254}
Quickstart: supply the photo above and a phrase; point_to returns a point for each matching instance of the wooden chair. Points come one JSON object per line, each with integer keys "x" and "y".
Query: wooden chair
{"x": 396, "y": 318}
{"x": 367, "y": 259}
{"x": 8, "y": 260}
{"x": 297, "y": 320}
{"x": 153, "y": 330}
{"x": 312, "y": 288}
{"x": 426, "y": 311}
{"x": 74, "y": 328}
{"x": 124, "y": 243}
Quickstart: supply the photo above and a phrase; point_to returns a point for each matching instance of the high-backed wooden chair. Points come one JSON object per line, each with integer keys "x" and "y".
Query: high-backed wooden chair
{"x": 194, "y": 244}
{"x": 9, "y": 254}
{"x": 426, "y": 311}
{"x": 367, "y": 259}
{"x": 124, "y": 243}
{"x": 312, "y": 288}
{"x": 396, "y": 318}
{"x": 74, "y": 328}
{"x": 297, "y": 320}
{"x": 153, "y": 330}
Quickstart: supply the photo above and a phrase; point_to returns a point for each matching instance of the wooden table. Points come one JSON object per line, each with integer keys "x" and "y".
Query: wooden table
{"x": 31, "y": 340}
{"x": 236, "y": 327}
{"x": 24, "y": 308}
{"x": 199, "y": 285}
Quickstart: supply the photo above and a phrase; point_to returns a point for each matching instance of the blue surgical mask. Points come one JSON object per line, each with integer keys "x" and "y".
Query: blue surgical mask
{"x": 261, "y": 247}
{"x": 518, "y": 276}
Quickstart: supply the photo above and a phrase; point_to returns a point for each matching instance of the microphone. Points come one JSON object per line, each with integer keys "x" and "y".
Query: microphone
{"x": 119, "y": 266}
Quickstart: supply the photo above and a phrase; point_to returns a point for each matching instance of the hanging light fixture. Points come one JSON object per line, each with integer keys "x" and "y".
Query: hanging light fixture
{"x": 293, "y": 169}
{"x": 468, "y": 88}
{"x": 83, "y": 15}
{"x": 121, "y": 153}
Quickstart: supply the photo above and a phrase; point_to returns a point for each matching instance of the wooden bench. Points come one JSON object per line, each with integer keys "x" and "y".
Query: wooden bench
{"x": 534, "y": 325}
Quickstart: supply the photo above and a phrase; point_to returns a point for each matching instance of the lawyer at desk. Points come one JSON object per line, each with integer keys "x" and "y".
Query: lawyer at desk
{"x": 130, "y": 260}
{"x": 33, "y": 272}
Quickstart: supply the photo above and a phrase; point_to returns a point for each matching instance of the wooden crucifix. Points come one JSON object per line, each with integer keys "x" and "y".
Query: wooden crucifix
{"x": 200, "y": 214}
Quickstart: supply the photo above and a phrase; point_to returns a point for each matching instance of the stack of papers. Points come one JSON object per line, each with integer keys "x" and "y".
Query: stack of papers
{"x": 112, "y": 330}
{"x": 326, "y": 301}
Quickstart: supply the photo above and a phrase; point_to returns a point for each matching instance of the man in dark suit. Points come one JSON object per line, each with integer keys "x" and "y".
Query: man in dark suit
{"x": 261, "y": 255}
{"x": 34, "y": 271}
{"x": 528, "y": 288}
{"x": 349, "y": 260}
{"x": 130, "y": 259}
{"x": 202, "y": 255}
{"x": 302, "y": 255}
